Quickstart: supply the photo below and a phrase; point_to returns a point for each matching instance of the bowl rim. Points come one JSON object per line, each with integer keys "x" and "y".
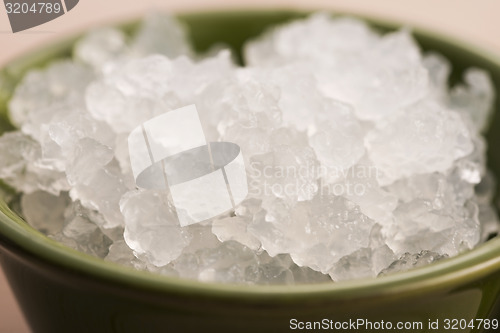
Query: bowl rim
{"x": 458, "y": 270}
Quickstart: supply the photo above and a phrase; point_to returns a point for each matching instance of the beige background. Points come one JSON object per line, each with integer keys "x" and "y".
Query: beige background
{"x": 476, "y": 21}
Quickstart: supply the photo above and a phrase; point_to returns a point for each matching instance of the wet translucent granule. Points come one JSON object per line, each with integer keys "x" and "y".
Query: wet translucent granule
{"x": 361, "y": 161}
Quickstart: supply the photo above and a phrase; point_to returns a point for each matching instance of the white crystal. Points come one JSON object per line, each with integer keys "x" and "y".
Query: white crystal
{"x": 430, "y": 139}
{"x": 152, "y": 228}
{"x": 100, "y": 47}
{"x": 475, "y": 98}
{"x": 103, "y": 192}
{"x": 408, "y": 261}
{"x": 81, "y": 231}
{"x": 45, "y": 211}
{"x": 19, "y": 167}
{"x": 439, "y": 70}
{"x": 378, "y": 75}
{"x": 161, "y": 34}
{"x": 321, "y": 37}
{"x": 58, "y": 85}
{"x": 337, "y": 141}
{"x": 357, "y": 152}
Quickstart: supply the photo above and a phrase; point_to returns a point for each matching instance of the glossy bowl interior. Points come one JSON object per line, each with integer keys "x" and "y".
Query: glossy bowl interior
{"x": 62, "y": 290}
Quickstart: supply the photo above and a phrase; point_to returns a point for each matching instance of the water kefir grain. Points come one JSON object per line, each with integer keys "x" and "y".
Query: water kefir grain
{"x": 360, "y": 158}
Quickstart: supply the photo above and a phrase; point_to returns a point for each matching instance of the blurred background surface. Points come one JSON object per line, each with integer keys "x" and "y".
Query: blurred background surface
{"x": 475, "y": 21}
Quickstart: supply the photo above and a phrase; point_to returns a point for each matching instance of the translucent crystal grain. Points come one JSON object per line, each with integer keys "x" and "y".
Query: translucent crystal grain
{"x": 151, "y": 227}
{"x": 60, "y": 84}
{"x": 360, "y": 159}
{"x": 45, "y": 211}
{"x": 161, "y": 34}
{"x": 100, "y": 47}
{"x": 409, "y": 260}
{"x": 430, "y": 139}
{"x": 82, "y": 231}
{"x": 474, "y": 98}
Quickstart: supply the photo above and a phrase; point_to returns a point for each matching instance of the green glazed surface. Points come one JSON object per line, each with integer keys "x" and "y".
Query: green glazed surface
{"x": 62, "y": 290}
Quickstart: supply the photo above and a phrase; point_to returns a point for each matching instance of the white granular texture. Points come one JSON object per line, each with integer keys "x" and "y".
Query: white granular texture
{"x": 361, "y": 161}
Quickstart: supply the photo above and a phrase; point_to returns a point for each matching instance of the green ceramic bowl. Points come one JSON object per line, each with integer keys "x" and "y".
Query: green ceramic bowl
{"x": 61, "y": 290}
